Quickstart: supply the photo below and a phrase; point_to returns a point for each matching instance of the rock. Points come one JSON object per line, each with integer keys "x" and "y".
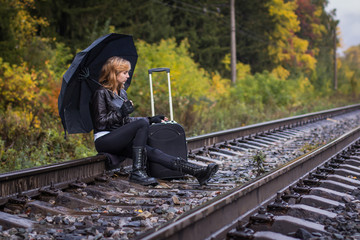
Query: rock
{"x": 49, "y": 219}
{"x": 175, "y": 200}
{"x": 145, "y": 215}
{"x": 98, "y": 236}
{"x": 133, "y": 224}
{"x": 169, "y": 215}
{"x": 57, "y": 220}
{"x": 116, "y": 234}
{"x": 95, "y": 216}
{"x": 303, "y": 234}
{"x": 337, "y": 236}
{"x": 71, "y": 229}
{"x": 51, "y": 231}
{"x": 12, "y": 231}
{"x": 316, "y": 234}
{"x": 105, "y": 223}
{"x": 346, "y": 199}
{"x": 331, "y": 229}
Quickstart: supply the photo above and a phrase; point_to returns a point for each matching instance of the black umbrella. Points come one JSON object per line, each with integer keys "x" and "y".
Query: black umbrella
{"x": 80, "y": 80}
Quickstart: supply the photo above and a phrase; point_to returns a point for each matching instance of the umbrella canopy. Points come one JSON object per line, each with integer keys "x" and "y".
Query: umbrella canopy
{"x": 80, "y": 80}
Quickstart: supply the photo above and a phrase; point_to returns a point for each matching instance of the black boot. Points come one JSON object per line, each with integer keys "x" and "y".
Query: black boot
{"x": 202, "y": 173}
{"x": 138, "y": 174}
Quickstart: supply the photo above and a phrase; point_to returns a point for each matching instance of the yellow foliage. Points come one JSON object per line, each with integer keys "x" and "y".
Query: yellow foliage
{"x": 286, "y": 48}
{"x": 219, "y": 85}
{"x": 227, "y": 61}
{"x": 187, "y": 79}
{"x": 23, "y": 89}
{"x": 284, "y": 15}
{"x": 17, "y": 85}
{"x": 352, "y": 56}
{"x": 242, "y": 70}
{"x": 318, "y": 29}
{"x": 23, "y": 25}
{"x": 280, "y": 72}
{"x": 24, "y": 118}
{"x": 305, "y": 85}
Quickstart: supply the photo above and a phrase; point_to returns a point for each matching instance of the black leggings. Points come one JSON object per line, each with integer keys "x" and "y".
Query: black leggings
{"x": 134, "y": 134}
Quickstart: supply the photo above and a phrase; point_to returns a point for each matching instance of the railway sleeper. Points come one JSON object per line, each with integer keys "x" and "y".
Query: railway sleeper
{"x": 350, "y": 167}
{"x": 342, "y": 179}
{"x": 226, "y": 148}
{"x": 308, "y": 212}
{"x": 206, "y": 159}
{"x": 268, "y": 139}
{"x": 9, "y": 220}
{"x": 224, "y": 151}
{"x": 289, "y": 225}
{"x": 262, "y": 141}
{"x": 273, "y": 137}
{"x": 73, "y": 201}
{"x": 46, "y": 208}
{"x": 248, "y": 146}
{"x": 252, "y": 142}
{"x": 346, "y": 172}
{"x": 353, "y": 162}
{"x": 333, "y": 185}
{"x": 280, "y": 136}
{"x": 219, "y": 155}
{"x": 247, "y": 233}
{"x": 331, "y": 194}
{"x": 323, "y": 203}
{"x": 233, "y": 146}
{"x": 303, "y": 210}
{"x": 285, "y": 134}
{"x": 292, "y": 132}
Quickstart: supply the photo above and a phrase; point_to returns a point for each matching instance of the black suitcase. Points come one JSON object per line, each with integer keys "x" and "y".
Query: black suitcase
{"x": 168, "y": 137}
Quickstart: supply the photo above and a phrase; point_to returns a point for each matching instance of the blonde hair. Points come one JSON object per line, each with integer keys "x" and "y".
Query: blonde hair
{"x": 112, "y": 67}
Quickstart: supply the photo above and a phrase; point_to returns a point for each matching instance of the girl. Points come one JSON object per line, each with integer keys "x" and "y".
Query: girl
{"x": 117, "y": 133}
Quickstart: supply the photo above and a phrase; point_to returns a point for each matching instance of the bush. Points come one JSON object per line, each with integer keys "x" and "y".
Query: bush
{"x": 24, "y": 146}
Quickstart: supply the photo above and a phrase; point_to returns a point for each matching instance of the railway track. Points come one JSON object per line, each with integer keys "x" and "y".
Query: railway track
{"x": 79, "y": 198}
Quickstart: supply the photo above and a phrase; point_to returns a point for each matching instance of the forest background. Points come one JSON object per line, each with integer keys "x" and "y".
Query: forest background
{"x": 285, "y": 65}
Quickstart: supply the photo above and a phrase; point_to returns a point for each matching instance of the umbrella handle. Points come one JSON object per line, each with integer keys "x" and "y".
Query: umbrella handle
{"x": 84, "y": 73}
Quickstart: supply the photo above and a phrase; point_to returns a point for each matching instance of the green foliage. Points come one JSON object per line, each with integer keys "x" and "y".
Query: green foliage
{"x": 258, "y": 160}
{"x": 23, "y": 145}
{"x": 188, "y": 81}
{"x": 253, "y": 99}
{"x": 18, "y": 29}
{"x": 349, "y": 73}
{"x": 308, "y": 147}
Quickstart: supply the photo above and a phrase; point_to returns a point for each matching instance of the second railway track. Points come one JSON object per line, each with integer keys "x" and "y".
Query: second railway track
{"x": 77, "y": 199}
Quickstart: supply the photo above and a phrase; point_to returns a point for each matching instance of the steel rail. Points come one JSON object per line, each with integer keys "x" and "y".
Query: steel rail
{"x": 200, "y": 141}
{"x": 28, "y": 181}
{"x": 214, "y": 219}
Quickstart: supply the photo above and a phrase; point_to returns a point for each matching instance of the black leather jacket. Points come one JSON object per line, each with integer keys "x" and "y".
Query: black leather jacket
{"x": 105, "y": 114}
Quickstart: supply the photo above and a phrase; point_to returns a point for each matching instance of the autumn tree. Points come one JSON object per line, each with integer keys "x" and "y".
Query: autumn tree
{"x": 288, "y": 50}
{"x": 18, "y": 30}
{"x": 349, "y": 74}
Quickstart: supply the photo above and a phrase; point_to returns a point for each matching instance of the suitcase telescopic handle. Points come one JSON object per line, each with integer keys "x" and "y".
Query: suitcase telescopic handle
{"x": 159, "y": 70}
{"x": 151, "y": 90}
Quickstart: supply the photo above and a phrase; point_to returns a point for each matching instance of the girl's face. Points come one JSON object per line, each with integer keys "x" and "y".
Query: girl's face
{"x": 121, "y": 77}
